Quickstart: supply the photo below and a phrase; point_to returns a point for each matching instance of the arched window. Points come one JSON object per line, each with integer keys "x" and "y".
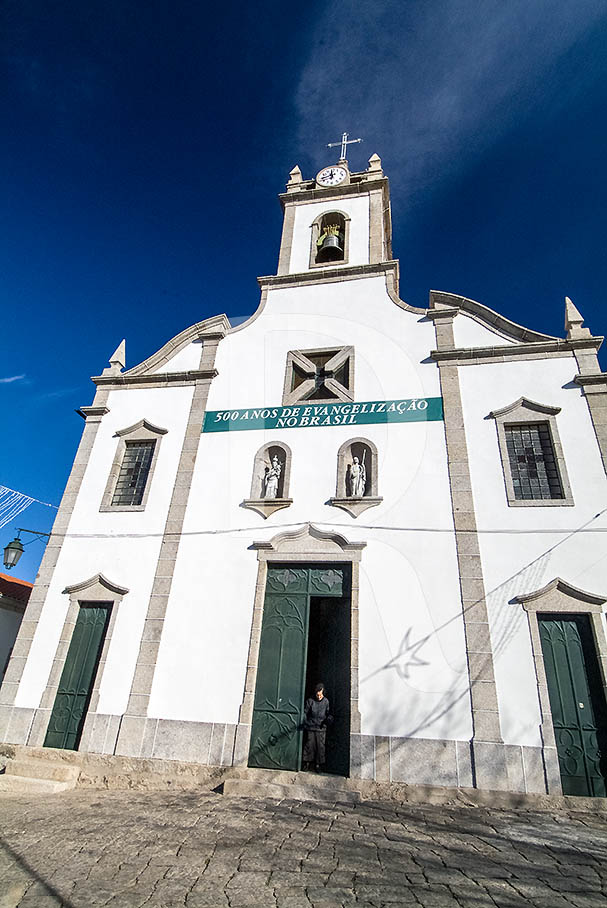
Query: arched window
{"x": 330, "y": 238}
{"x": 130, "y": 478}
{"x": 270, "y": 480}
{"x": 532, "y": 456}
{"x": 356, "y": 477}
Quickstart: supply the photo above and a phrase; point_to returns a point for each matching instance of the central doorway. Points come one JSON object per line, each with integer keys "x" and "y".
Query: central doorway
{"x": 305, "y": 638}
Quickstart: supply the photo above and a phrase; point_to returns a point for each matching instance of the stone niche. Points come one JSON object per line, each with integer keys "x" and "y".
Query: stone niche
{"x": 357, "y": 472}
{"x": 270, "y": 479}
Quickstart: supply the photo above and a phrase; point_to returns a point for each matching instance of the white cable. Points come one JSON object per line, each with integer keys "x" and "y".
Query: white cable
{"x": 12, "y": 504}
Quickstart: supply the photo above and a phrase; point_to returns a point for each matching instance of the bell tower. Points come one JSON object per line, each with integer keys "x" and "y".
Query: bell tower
{"x": 339, "y": 219}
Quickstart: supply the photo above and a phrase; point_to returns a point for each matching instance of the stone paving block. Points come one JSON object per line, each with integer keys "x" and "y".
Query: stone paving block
{"x": 135, "y": 848}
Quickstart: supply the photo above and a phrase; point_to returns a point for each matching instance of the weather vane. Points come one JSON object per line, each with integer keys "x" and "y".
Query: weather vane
{"x": 345, "y": 141}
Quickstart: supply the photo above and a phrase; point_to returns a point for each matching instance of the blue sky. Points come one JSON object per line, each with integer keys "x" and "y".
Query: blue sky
{"x": 144, "y": 145}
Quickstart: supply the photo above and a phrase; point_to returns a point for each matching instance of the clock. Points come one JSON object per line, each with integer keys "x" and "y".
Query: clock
{"x": 332, "y": 176}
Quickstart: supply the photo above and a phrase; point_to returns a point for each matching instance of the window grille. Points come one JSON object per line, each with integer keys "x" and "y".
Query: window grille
{"x": 533, "y": 464}
{"x": 134, "y": 472}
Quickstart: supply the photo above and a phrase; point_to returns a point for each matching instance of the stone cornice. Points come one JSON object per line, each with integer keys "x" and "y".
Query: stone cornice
{"x": 96, "y": 580}
{"x": 463, "y": 356}
{"x": 446, "y": 313}
{"x": 596, "y": 378}
{"x": 211, "y": 329}
{"x": 325, "y": 275}
{"x": 154, "y": 379}
{"x": 309, "y": 194}
{"x": 562, "y": 586}
{"x": 440, "y": 299}
{"x": 92, "y": 412}
{"x": 529, "y": 405}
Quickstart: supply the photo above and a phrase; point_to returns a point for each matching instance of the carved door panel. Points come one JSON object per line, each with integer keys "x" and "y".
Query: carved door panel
{"x": 77, "y": 678}
{"x": 577, "y": 702}
{"x": 276, "y": 734}
{"x": 276, "y": 731}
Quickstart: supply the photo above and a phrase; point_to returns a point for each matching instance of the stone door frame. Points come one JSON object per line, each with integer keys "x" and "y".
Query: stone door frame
{"x": 308, "y": 545}
{"x": 560, "y": 597}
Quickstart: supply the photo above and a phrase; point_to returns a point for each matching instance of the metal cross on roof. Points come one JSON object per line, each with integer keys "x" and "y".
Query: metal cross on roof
{"x": 345, "y": 141}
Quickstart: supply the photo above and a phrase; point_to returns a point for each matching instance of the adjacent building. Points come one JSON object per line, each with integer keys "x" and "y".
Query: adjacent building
{"x": 14, "y": 596}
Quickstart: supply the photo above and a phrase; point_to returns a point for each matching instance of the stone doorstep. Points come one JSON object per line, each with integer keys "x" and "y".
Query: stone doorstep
{"x": 243, "y": 788}
{"x": 108, "y": 772}
{"x": 42, "y": 769}
{"x": 299, "y": 786}
{"x": 25, "y": 785}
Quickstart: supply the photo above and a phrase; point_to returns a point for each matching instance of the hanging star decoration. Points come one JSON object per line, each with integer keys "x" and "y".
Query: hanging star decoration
{"x": 407, "y": 657}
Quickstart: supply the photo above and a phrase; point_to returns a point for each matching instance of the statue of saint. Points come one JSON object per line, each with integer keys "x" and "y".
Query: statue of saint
{"x": 272, "y": 478}
{"x": 358, "y": 478}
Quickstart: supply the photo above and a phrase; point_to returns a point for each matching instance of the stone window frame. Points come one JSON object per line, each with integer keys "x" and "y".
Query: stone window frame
{"x": 300, "y": 358}
{"x": 140, "y": 431}
{"x": 267, "y": 506}
{"x": 356, "y": 506}
{"x": 518, "y": 413}
{"x": 560, "y": 597}
{"x": 97, "y": 590}
{"x": 315, "y": 233}
{"x": 307, "y": 545}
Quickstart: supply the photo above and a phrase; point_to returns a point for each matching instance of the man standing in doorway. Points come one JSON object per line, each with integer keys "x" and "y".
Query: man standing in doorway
{"x": 316, "y": 719}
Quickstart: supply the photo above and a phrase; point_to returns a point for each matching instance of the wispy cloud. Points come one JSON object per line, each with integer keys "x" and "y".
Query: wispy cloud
{"x": 429, "y": 84}
{"x": 11, "y": 378}
{"x": 58, "y": 392}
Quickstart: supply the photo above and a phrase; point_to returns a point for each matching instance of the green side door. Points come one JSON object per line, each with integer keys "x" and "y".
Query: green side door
{"x": 276, "y": 733}
{"x": 577, "y": 702}
{"x": 78, "y": 676}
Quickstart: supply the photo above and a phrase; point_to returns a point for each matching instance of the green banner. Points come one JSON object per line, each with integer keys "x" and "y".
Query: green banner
{"x": 301, "y": 416}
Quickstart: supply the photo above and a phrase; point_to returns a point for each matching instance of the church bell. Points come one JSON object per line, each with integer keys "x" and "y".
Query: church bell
{"x": 331, "y": 249}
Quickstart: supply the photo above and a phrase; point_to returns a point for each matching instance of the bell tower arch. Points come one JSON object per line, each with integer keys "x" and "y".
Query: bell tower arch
{"x": 338, "y": 219}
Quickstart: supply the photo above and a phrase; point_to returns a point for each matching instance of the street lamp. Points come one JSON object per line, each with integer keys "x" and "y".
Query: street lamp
{"x": 14, "y": 550}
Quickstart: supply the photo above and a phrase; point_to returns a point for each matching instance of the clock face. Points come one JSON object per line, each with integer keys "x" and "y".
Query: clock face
{"x": 332, "y": 176}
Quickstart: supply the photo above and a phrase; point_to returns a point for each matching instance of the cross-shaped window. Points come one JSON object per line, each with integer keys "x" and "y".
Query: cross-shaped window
{"x": 319, "y": 375}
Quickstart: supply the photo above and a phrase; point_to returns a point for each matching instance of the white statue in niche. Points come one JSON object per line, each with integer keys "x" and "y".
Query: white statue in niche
{"x": 358, "y": 477}
{"x": 272, "y": 478}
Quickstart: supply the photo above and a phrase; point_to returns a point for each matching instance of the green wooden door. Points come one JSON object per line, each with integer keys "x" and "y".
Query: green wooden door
{"x": 77, "y": 678}
{"x": 576, "y": 701}
{"x": 276, "y": 734}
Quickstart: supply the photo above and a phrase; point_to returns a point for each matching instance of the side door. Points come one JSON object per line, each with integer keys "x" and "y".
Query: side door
{"x": 577, "y": 702}
{"x": 78, "y": 677}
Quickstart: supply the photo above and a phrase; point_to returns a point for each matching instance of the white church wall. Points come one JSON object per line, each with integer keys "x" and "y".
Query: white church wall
{"x": 357, "y": 209}
{"x": 123, "y": 546}
{"x": 203, "y": 652}
{"x": 215, "y": 575}
{"x": 523, "y": 548}
{"x": 413, "y": 678}
{"x": 167, "y": 408}
{"x": 185, "y": 360}
{"x": 130, "y": 566}
{"x": 467, "y": 332}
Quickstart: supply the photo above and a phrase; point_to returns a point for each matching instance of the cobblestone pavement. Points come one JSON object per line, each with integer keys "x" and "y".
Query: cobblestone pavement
{"x": 124, "y": 849}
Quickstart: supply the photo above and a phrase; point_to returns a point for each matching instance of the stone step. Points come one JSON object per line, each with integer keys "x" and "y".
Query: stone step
{"x": 22, "y": 785}
{"x": 253, "y": 788}
{"x": 284, "y": 777}
{"x": 42, "y": 769}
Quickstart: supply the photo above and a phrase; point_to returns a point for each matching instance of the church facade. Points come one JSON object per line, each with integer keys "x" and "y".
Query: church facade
{"x": 406, "y": 504}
